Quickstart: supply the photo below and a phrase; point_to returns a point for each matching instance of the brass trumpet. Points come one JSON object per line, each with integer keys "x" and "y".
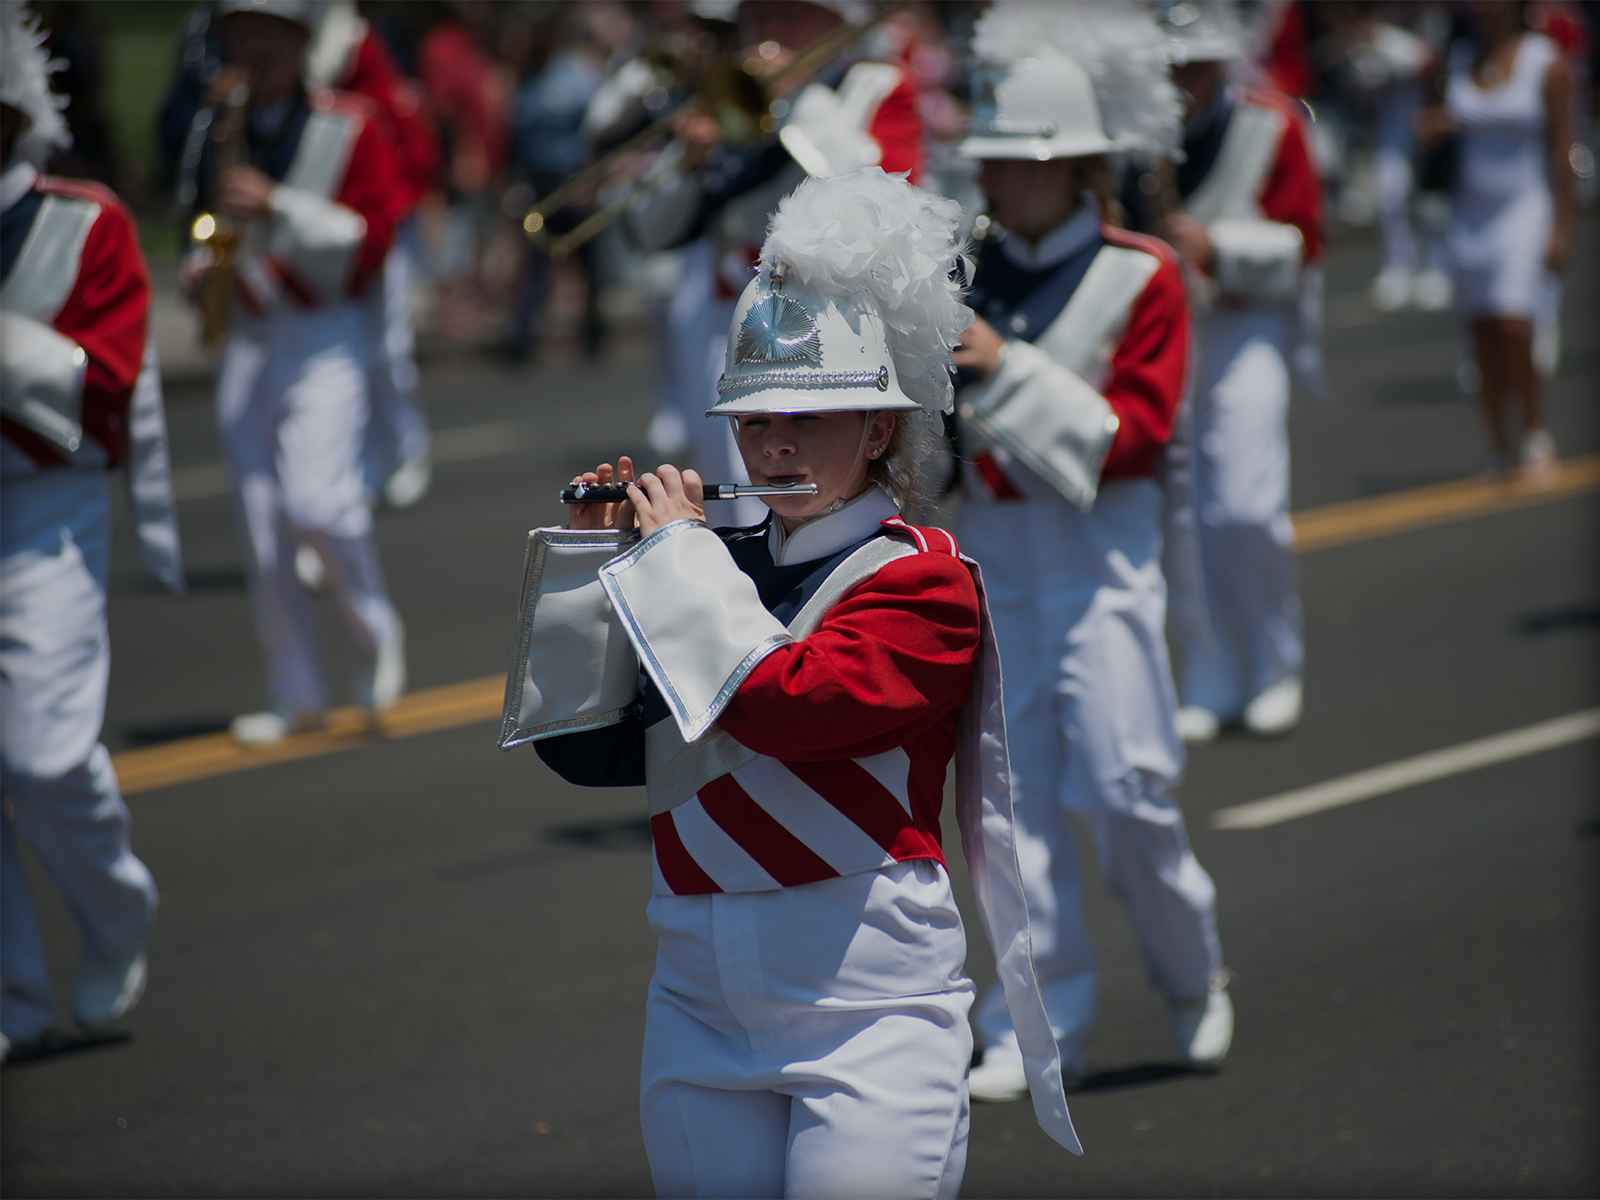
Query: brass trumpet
{"x": 733, "y": 93}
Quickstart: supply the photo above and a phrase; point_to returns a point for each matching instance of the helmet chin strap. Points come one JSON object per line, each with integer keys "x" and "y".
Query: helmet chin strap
{"x": 861, "y": 454}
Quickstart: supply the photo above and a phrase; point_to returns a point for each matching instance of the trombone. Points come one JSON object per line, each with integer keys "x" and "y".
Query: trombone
{"x": 735, "y": 96}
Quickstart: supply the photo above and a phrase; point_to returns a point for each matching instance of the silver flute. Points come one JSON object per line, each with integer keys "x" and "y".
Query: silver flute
{"x": 612, "y": 493}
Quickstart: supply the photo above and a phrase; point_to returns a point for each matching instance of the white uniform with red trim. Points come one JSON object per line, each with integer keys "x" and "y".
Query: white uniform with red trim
{"x": 81, "y": 395}
{"x": 1072, "y": 552}
{"x": 292, "y": 402}
{"x": 1261, "y": 201}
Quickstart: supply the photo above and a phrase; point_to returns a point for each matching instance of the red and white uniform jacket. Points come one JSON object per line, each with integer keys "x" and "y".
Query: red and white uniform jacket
{"x": 333, "y": 212}
{"x": 1089, "y": 386}
{"x": 350, "y": 56}
{"x": 866, "y": 116}
{"x": 805, "y": 698}
{"x": 1250, "y": 180}
{"x": 79, "y": 384}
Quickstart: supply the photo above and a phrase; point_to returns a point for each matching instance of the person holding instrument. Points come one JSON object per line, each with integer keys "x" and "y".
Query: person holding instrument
{"x": 805, "y": 684}
{"x": 1077, "y": 365}
{"x": 318, "y": 195}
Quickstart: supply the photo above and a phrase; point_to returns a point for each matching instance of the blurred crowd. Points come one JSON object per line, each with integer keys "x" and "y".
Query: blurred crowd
{"x": 514, "y": 97}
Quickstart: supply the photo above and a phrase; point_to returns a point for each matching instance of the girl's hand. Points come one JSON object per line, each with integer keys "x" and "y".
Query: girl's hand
{"x": 603, "y": 516}
{"x": 980, "y": 349}
{"x": 666, "y": 496}
{"x": 1433, "y": 125}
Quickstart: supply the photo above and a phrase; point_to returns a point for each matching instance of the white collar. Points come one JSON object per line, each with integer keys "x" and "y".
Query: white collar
{"x": 823, "y": 537}
{"x": 1060, "y": 244}
{"x": 17, "y": 182}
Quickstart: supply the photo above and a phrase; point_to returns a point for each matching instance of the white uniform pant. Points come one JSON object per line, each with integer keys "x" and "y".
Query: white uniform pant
{"x": 1241, "y": 409}
{"x": 809, "y": 1041}
{"x": 292, "y": 413}
{"x": 1079, "y": 609}
{"x": 398, "y": 431}
{"x": 55, "y": 659}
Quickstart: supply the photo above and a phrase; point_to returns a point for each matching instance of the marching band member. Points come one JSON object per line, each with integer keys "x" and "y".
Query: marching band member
{"x": 844, "y": 118}
{"x": 806, "y": 682}
{"x": 1251, "y": 235}
{"x": 80, "y": 393}
{"x": 349, "y": 55}
{"x": 319, "y": 195}
{"x": 1079, "y": 358}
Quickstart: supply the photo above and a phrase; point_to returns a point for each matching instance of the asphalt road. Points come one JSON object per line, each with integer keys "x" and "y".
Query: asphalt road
{"x": 418, "y": 967}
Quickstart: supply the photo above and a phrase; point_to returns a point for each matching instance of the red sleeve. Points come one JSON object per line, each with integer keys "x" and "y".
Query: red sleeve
{"x": 1148, "y": 371}
{"x": 891, "y": 660}
{"x": 897, "y": 128}
{"x": 1293, "y": 193}
{"x": 372, "y": 187}
{"x": 404, "y": 109}
{"x": 106, "y": 313}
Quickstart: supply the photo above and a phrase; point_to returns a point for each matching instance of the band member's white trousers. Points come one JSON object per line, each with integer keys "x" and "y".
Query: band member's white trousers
{"x": 55, "y": 660}
{"x": 398, "y": 430}
{"x": 809, "y": 1041}
{"x": 1079, "y": 608}
{"x": 292, "y": 415}
{"x": 1241, "y": 408}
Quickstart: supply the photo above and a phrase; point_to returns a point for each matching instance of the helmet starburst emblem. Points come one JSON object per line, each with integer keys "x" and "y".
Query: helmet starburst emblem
{"x": 778, "y": 329}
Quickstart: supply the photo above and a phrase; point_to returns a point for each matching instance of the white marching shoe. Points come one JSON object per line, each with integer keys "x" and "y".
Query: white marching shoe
{"x": 108, "y": 988}
{"x": 1196, "y": 724}
{"x": 310, "y": 570}
{"x": 410, "y": 483}
{"x": 1392, "y": 289}
{"x": 999, "y": 1078}
{"x": 1433, "y": 290}
{"x": 1203, "y": 1027}
{"x": 1276, "y": 710}
{"x": 269, "y": 726}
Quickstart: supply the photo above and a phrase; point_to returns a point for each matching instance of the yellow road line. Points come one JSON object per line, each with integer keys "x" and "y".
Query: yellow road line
{"x": 1359, "y": 520}
{"x": 481, "y": 699}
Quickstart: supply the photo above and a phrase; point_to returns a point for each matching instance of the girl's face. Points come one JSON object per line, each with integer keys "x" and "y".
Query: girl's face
{"x": 825, "y": 448}
{"x": 1029, "y": 198}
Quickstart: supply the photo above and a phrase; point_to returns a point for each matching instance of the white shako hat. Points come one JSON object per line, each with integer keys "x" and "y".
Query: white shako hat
{"x": 853, "y": 307}
{"x": 1070, "y": 80}
{"x": 1201, "y": 30}
{"x": 25, "y": 70}
{"x": 305, "y": 13}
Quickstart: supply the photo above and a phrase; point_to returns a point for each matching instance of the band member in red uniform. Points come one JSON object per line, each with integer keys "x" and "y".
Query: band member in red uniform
{"x": 80, "y": 394}
{"x": 1078, "y": 364}
{"x": 349, "y": 55}
{"x": 806, "y": 682}
{"x": 318, "y": 197}
{"x": 1250, "y": 234}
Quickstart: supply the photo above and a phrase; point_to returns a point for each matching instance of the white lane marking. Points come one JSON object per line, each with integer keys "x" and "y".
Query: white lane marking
{"x": 1408, "y": 772}
{"x": 462, "y": 444}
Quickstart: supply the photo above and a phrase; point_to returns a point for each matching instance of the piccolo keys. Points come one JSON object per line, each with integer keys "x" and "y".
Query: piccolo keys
{"x": 594, "y": 493}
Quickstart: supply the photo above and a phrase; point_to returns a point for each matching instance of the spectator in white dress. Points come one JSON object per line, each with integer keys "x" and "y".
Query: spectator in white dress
{"x": 1507, "y": 103}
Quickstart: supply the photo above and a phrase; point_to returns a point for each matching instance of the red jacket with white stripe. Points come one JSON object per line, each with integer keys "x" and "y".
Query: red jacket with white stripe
{"x": 76, "y": 304}
{"x": 371, "y": 72}
{"x": 854, "y": 726}
{"x": 334, "y": 210}
{"x": 1140, "y": 371}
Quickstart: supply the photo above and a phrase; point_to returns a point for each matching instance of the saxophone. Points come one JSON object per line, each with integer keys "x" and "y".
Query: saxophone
{"x": 221, "y": 235}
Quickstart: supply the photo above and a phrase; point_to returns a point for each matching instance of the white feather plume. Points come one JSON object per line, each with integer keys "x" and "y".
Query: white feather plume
{"x": 25, "y": 70}
{"x": 1116, "y": 42}
{"x": 874, "y": 232}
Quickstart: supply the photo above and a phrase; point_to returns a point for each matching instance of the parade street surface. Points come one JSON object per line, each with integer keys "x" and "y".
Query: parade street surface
{"x": 404, "y": 963}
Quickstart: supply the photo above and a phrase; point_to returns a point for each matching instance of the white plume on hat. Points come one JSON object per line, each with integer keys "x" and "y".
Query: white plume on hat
{"x": 874, "y": 233}
{"x": 1120, "y": 47}
{"x": 25, "y": 71}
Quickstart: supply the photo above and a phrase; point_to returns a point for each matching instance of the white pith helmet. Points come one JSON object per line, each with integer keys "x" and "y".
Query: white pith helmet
{"x": 1201, "y": 30}
{"x": 853, "y": 307}
{"x": 1070, "y": 80}
{"x": 25, "y": 70}
{"x": 304, "y": 13}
